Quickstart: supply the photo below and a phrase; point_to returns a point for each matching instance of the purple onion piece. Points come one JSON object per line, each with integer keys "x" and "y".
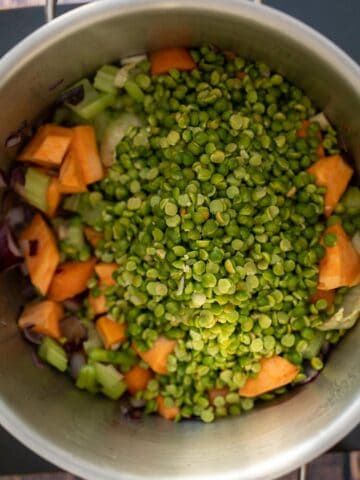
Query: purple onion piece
{"x": 311, "y": 375}
{"x": 10, "y": 254}
{"x": 3, "y": 179}
{"x": 33, "y": 247}
{"x": 136, "y": 413}
{"x": 13, "y": 140}
{"x": 29, "y": 292}
{"x": 325, "y": 350}
{"x": 32, "y": 336}
{"x": 17, "y": 178}
{"x": 77, "y": 361}
{"x": 73, "y": 330}
{"x": 73, "y": 305}
{"x": 36, "y": 360}
{"x": 73, "y": 96}
{"x": 15, "y": 216}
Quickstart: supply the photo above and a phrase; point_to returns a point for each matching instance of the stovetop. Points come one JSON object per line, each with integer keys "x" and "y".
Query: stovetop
{"x": 338, "y": 20}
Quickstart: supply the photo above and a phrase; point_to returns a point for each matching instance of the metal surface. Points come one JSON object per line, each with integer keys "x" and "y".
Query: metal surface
{"x": 86, "y": 435}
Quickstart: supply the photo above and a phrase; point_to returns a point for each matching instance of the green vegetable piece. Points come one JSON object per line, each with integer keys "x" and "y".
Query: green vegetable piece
{"x": 113, "y": 385}
{"x": 92, "y": 103}
{"x": 52, "y": 353}
{"x": 105, "y": 79}
{"x": 35, "y": 188}
{"x": 86, "y": 379}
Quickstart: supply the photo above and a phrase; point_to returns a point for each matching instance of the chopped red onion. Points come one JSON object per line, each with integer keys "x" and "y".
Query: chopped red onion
{"x": 72, "y": 305}
{"x": 77, "y": 361}
{"x": 73, "y": 96}
{"x": 16, "y": 216}
{"x": 17, "y": 178}
{"x": 3, "y": 179}
{"x": 13, "y": 140}
{"x": 36, "y": 360}
{"x": 73, "y": 330}
{"x": 32, "y": 336}
{"x": 10, "y": 254}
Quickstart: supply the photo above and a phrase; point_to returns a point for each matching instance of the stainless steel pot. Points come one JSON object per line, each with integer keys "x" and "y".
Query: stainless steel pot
{"x": 87, "y": 435}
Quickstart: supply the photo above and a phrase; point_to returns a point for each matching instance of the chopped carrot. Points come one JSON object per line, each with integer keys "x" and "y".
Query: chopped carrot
{"x": 86, "y": 150}
{"x": 217, "y": 392}
{"x": 70, "y": 279}
{"x": 340, "y": 266}
{"x": 275, "y": 373}
{"x": 175, "y": 57}
{"x": 48, "y": 146}
{"x": 105, "y": 273}
{"x": 328, "y": 295}
{"x": 43, "y": 317}
{"x": 112, "y": 333}
{"x": 302, "y": 132}
{"x": 158, "y": 354}
{"x": 53, "y": 196}
{"x": 137, "y": 379}
{"x": 334, "y": 174}
{"x": 229, "y": 55}
{"x": 320, "y": 152}
{"x": 241, "y": 75}
{"x": 169, "y": 413}
{"x": 70, "y": 177}
{"x": 97, "y": 304}
{"x": 92, "y": 236}
{"x": 41, "y": 253}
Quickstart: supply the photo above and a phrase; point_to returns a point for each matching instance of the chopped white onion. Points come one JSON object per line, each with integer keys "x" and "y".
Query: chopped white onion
{"x": 321, "y": 119}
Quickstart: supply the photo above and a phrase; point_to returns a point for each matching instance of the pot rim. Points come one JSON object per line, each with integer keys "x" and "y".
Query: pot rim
{"x": 48, "y": 35}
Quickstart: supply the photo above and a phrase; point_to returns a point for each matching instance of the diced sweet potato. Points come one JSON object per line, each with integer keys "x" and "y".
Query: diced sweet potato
{"x": 70, "y": 279}
{"x": 48, "y": 146}
{"x": 42, "y": 317}
{"x": 275, "y": 373}
{"x": 42, "y": 257}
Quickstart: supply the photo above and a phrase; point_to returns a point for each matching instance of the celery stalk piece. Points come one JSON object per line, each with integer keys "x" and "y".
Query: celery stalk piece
{"x": 113, "y": 385}
{"x": 134, "y": 91}
{"x": 74, "y": 234}
{"x": 52, "y": 353}
{"x": 86, "y": 379}
{"x": 125, "y": 359}
{"x": 93, "y": 102}
{"x": 105, "y": 79}
{"x": 35, "y": 188}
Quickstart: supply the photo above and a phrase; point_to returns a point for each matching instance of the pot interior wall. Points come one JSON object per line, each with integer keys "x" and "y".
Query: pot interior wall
{"x": 87, "y": 435}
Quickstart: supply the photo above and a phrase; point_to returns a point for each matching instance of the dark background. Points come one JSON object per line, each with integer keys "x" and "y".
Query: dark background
{"x": 339, "y": 20}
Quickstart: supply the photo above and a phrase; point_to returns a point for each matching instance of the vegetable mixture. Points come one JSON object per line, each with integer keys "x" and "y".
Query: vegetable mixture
{"x": 192, "y": 237}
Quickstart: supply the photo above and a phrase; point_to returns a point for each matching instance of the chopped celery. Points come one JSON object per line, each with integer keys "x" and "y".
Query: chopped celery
{"x": 86, "y": 379}
{"x": 75, "y": 235}
{"x": 52, "y": 353}
{"x": 90, "y": 214}
{"x": 134, "y": 91}
{"x": 351, "y": 200}
{"x": 125, "y": 359}
{"x": 93, "y": 102}
{"x": 314, "y": 345}
{"x": 72, "y": 242}
{"x": 101, "y": 123}
{"x": 105, "y": 79}
{"x": 35, "y": 188}
{"x": 111, "y": 380}
{"x": 94, "y": 340}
